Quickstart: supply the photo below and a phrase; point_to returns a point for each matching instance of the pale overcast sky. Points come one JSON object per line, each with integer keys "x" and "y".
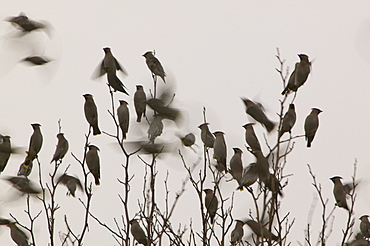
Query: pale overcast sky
{"x": 214, "y": 52}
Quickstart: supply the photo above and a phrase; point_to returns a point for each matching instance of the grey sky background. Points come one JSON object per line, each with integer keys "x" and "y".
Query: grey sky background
{"x": 213, "y": 52}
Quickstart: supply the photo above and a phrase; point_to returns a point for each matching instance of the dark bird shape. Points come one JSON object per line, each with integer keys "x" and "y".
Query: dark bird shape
{"x": 25, "y": 168}
{"x": 35, "y": 143}
{"x": 365, "y": 226}
{"x": 145, "y": 147}
{"x": 211, "y": 204}
{"x": 256, "y": 113}
{"x": 261, "y": 231}
{"x": 339, "y": 192}
{"x": 220, "y": 151}
{"x": 236, "y": 165}
{"x": 188, "y": 140}
{"x": 4, "y": 221}
{"x": 289, "y": 120}
{"x": 91, "y": 113}
{"x": 311, "y": 125}
{"x": 109, "y": 61}
{"x": 249, "y": 177}
{"x": 123, "y": 117}
{"x": 5, "y": 150}
{"x": 273, "y": 185}
{"x": 251, "y": 137}
{"x": 238, "y": 232}
{"x": 155, "y": 128}
{"x": 72, "y": 183}
{"x": 93, "y": 163}
{"x": 36, "y": 60}
{"x": 207, "y": 137}
{"x": 158, "y": 105}
{"x": 140, "y": 102}
{"x": 114, "y": 81}
{"x": 18, "y": 235}
{"x": 24, "y": 24}
{"x": 262, "y": 166}
{"x": 154, "y": 65}
{"x": 61, "y": 149}
{"x": 24, "y": 185}
{"x": 138, "y": 233}
{"x": 299, "y": 75}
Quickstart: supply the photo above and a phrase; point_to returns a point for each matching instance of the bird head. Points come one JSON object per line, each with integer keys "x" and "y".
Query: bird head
{"x": 123, "y": 102}
{"x": 106, "y": 49}
{"x": 148, "y": 54}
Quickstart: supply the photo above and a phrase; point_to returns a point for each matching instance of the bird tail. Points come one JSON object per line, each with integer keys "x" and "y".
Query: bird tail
{"x": 270, "y": 126}
{"x": 97, "y": 182}
{"x": 96, "y": 130}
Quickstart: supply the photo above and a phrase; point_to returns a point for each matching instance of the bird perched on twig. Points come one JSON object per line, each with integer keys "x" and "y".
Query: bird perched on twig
{"x": 61, "y": 149}
{"x": 207, "y": 137}
{"x": 261, "y": 231}
{"x": 5, "y": 150}
{"x": 154, "y": 65}
{"x": 114, "y": 81}
{"x": 256, "y": 113}
{"x": 365, "y": 226}
{"x": 18, "y": 235}
{"x": 251, "y": 137}
{"x": 311, "y": 125}
{"x": 35, "y": 143}
{"x": 211, "y": 204}
{"x": 140, "y": 102}
{"x": 289, "y": 120}
{"x": 299, "y": 75}
{"x": 339, "y": 192}
{"x": 238, "y": 232}
{"x": 91, "y": 113}
{"x": 249, "y": 177}
{"x": 123, "y": 117}
{"x": 93, "y": 163}
{"x": 236, "y": 165}
{"x": 220, "y": 151}
{"x": 138, "y": 233}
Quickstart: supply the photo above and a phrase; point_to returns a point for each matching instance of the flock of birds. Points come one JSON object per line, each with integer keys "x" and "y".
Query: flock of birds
{"x": 245, "y": 177}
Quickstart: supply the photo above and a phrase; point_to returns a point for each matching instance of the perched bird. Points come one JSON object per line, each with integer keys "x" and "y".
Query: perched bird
{"x": 114, "y": 81}
{"x": 310, "y": 125}
{"x": 154, "y": 65}
{"x": 249, "y": 177}
{"x": 211, "y": 204}
{"x": 273, "y": 185}
{"x": 24, "y": 185}
{"x": 261, "y": 231}
{"x": 108, "y": 61}
{"x": 72, "y": 183}
{"x": 93, "y": 162}
{"x": 238, "y": 232}
{"x": 339, "y": 192}
{"x": 256, "y": 113}
{"x": 25, "y": 168}
{"x": 236, "y": 164}
{"x": 288, "y": 121}
{"x": 4, "y": 221}
{"x": 35, "y": 143}
{"x": 220, "y": 151}
{"x": 365, "y": 226}
{"x": 5, "y": 151}
{"x": 91, "y": 113}
{"x": 188, "y": 140}
{"x": 251, "y": 137}
{"x": 155, "y": 128}
{"x": 61, "y": 149}
{"x": 207, "y": 137}
{"x": 358, "y": 240}
{"x": 299, "y": 75}
{"x": 24, "y": 24}
{"x": 138, "y": 233}
{"x": 36, "y": 60}
{"x": 262, "y": 166}
{"x": 18, "y": 235}
{"x": 140, "y": 102}
{"x": 123, "y": 117}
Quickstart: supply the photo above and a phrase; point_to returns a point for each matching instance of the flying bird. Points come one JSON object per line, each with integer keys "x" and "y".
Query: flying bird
{"x": 154, "y": 65}
{"x": 36, "y": 60}
{"x": 93, "y": 163}
{"x": 72, "y": 183}
{"x": 311, "y": 125}
{"x": 25, "y": 25}
{"x": 24, "y": 185}
{"x": 256, "y": 113}
{"x": 109, "y": 61}
{"x": 299, "y": 75}
{"x": 140, "y": 102}
{"x": 289, "y": 120}
{"x": 61, "y": 149}
{"x": 91, "y": 113}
